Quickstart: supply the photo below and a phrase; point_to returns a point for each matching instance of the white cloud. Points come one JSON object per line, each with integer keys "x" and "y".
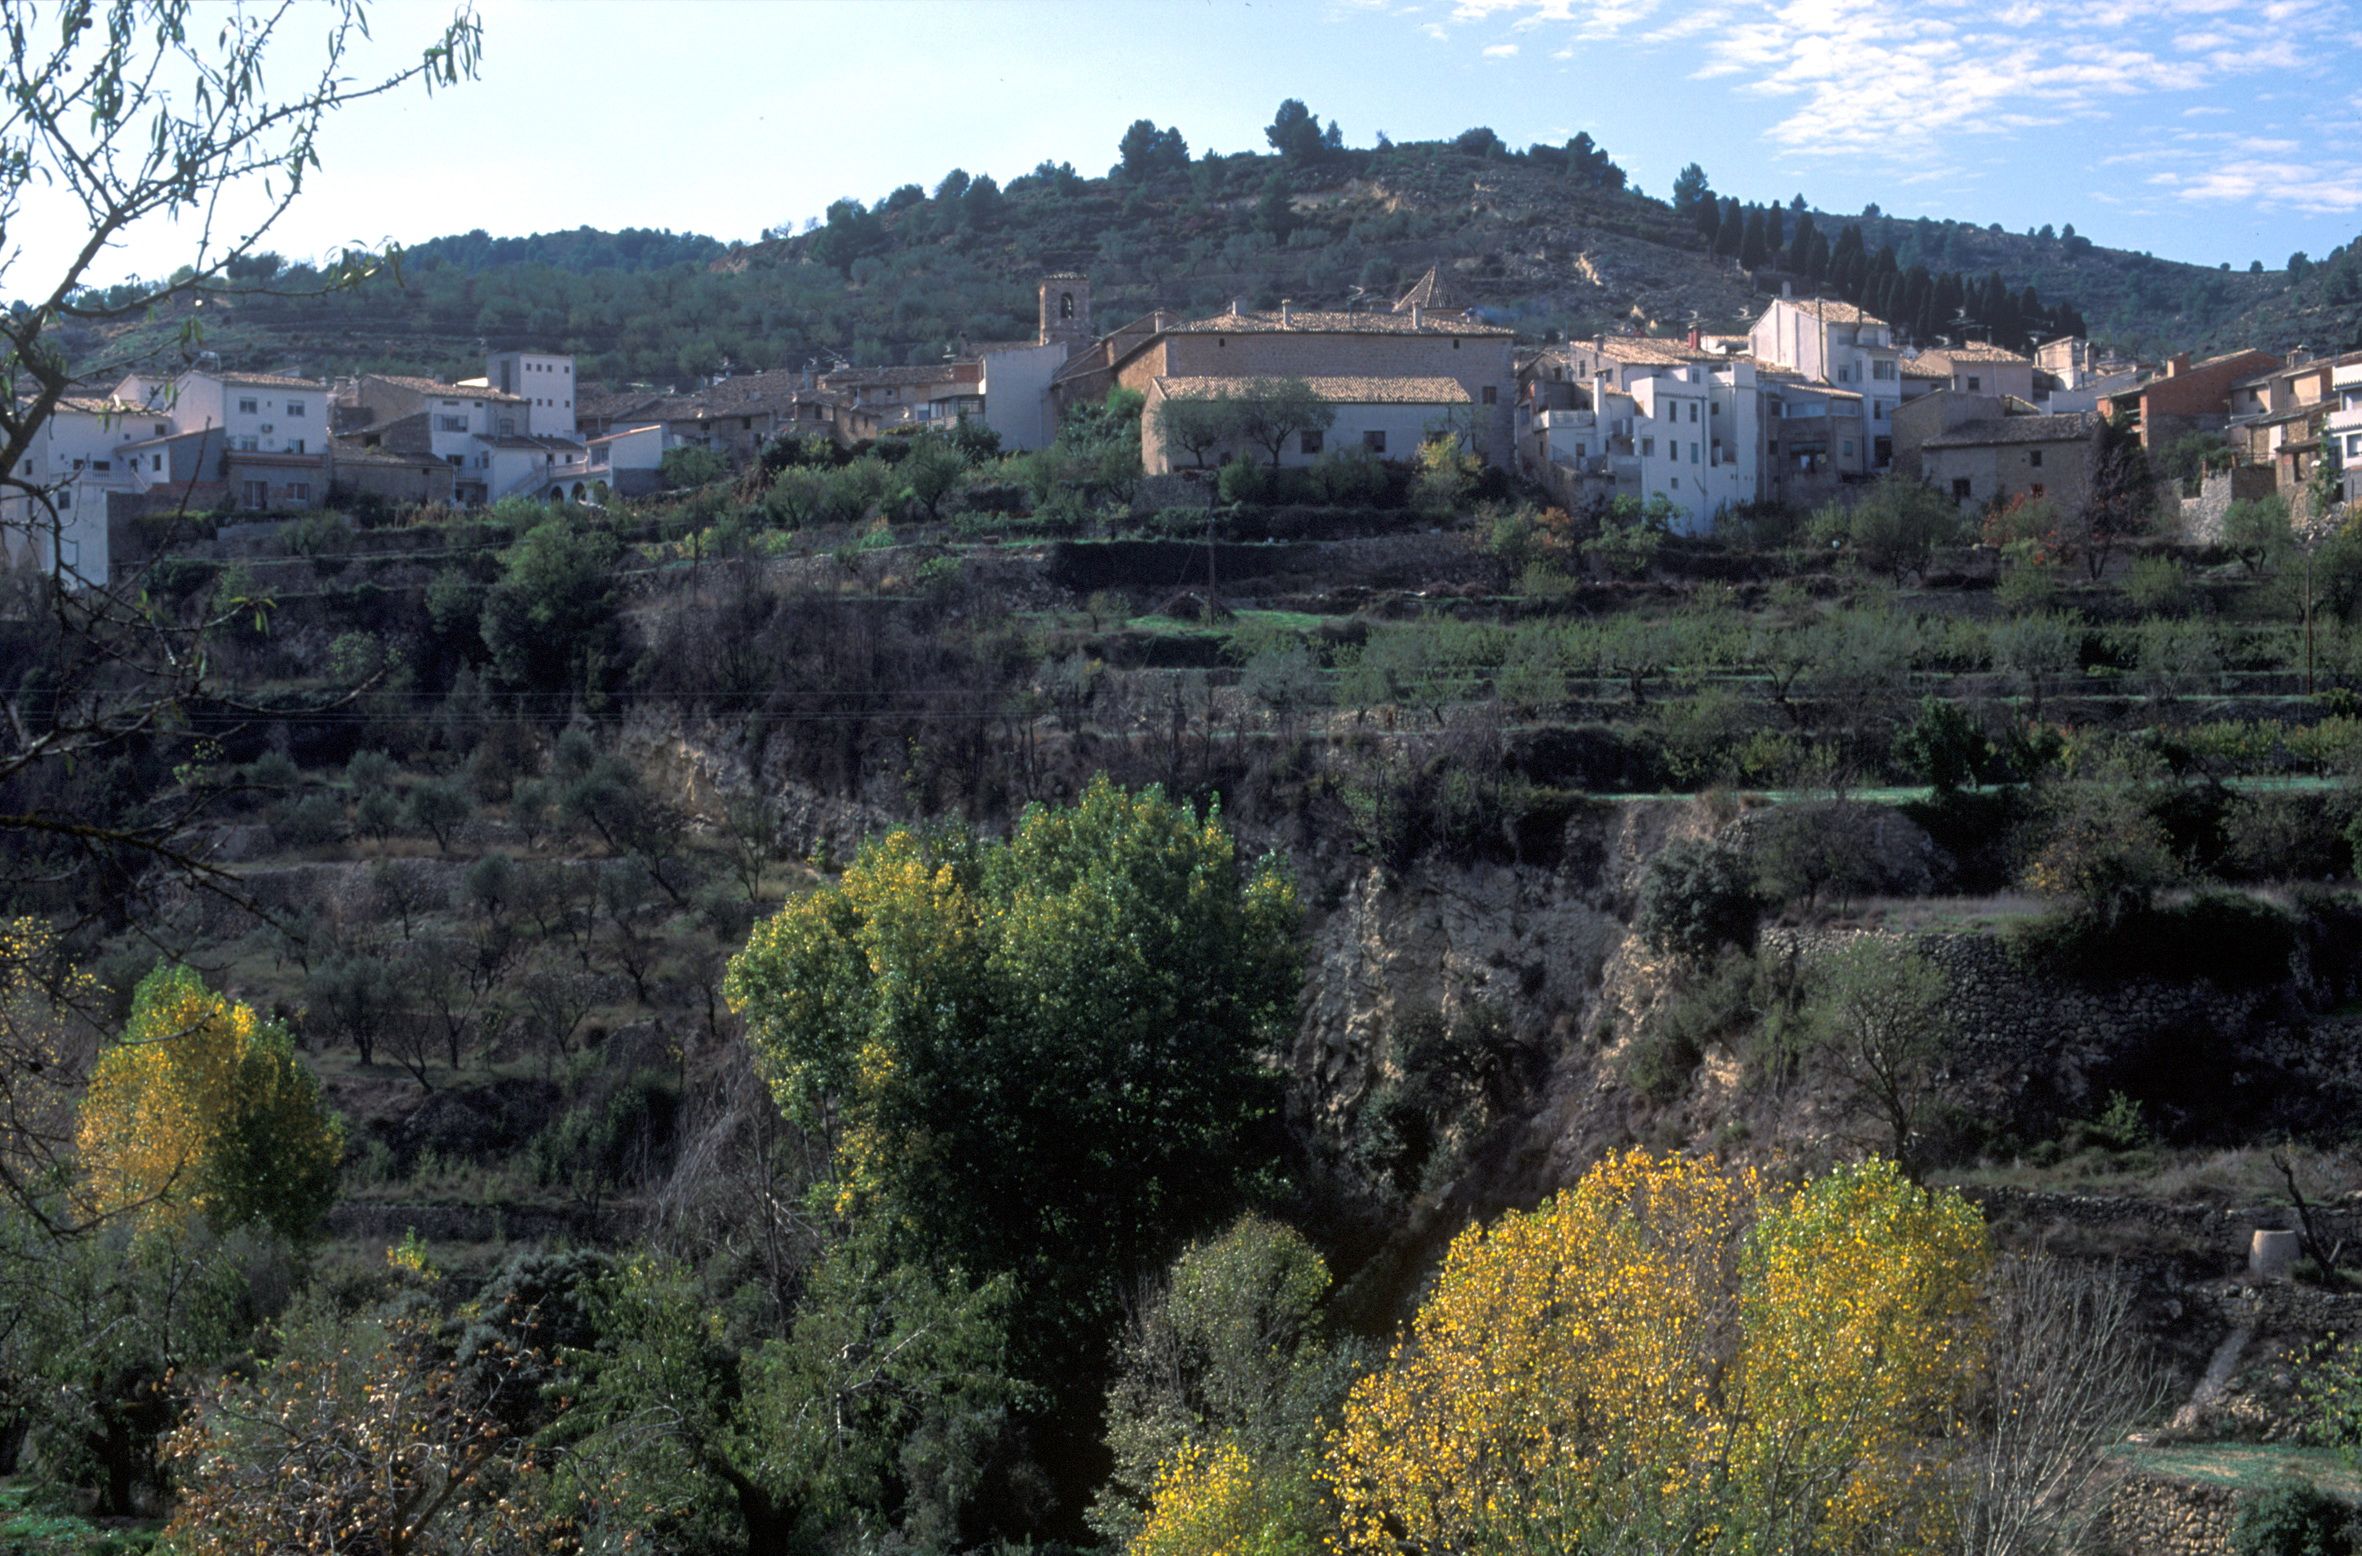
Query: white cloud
{"x": 1903, "y": 80}
{"x": 1500, "y": 51}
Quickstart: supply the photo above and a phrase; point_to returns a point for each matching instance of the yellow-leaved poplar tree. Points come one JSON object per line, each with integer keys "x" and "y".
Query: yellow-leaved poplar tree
{"x": 203, "y": 1109}
{"x": 1675, "y": 1356}
{"x": 1210, "y": 1499}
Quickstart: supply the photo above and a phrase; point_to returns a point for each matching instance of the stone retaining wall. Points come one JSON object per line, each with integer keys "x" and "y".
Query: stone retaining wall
{"x": 2150, "y": 1516}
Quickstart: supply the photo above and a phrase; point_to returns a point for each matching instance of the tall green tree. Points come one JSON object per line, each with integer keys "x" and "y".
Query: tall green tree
{"x": 1693, "y": 197}
{"x": 550, "y": 621}
{"x": 1273, "y": 410}
{"x": 1295, "y": 133}
{"x": 1050, "y": 1057}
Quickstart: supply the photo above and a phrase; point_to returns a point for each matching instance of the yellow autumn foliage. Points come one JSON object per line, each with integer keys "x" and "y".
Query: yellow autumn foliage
{"x": 1210, "y": 1499}
{"x": 1674, "y": 1355}
{"x": 203, "y": 1109}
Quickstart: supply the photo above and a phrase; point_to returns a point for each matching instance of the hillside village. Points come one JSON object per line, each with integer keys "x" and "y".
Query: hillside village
{"x": 1816, "y": 399}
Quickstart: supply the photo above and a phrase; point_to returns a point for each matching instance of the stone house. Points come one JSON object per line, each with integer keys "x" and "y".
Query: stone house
{"x": 1979, "y": 368}
{"x": 1387, "y": 418}
{"x": 1410, "y": 342}
{"x": 1972, "y": 449}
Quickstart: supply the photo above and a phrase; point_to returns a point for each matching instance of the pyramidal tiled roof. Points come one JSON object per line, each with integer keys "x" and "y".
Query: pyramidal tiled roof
{"x": 1426, "y": 292}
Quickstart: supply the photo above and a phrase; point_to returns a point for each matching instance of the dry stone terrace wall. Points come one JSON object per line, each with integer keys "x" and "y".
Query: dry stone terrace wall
{"x": 2151, "y": 1516}
{"x": 2040, "y": 1051}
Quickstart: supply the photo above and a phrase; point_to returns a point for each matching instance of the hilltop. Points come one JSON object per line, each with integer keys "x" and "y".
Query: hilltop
{"x": 1550, "y": 241}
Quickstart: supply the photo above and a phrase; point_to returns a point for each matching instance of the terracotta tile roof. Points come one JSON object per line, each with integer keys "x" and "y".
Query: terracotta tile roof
{"x": 270, "y": 381}
{"x": 1981, "y": 351}
{"x": 526, "y": 440}
{"x": 1427, "y": 292}
{"x": 1831, "y": 310}
{"x": 102, "y": 405}
{"x": 443, "y": 391}
{"x": 937, "y": 373}
{"x": 1922, "y": 366}
{"x": 1642, "y": 348}
{"x": 1319, "y": 321}
{"x": 1984, "y": 432}
{"x": 1339, "y": 390}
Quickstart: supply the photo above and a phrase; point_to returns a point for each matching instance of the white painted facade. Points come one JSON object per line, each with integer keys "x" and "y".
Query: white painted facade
{"x": 1688, "y": 433}
{"x": 1838, "y": 345}
{"x": 2344, "y": 426}
{"x": 1017, "y": 393}
{"x": 257, "y": 414}
{"x": 544, "y": 380}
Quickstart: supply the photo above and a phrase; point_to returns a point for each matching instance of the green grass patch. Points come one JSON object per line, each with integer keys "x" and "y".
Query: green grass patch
{"x": 30, "y": 1525}
{"x": 2248, "y": 1466}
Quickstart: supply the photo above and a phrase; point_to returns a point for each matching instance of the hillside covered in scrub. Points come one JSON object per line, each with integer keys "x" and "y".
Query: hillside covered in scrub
{"x": 794, "y": 1013}
{"x": 1550, "y": 240}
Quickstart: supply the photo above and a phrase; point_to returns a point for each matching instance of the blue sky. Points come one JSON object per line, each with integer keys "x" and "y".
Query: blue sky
{"x": 2204, "y": 130}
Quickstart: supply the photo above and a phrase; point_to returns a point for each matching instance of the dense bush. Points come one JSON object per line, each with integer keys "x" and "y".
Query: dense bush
{"x": 1696, "y": 897}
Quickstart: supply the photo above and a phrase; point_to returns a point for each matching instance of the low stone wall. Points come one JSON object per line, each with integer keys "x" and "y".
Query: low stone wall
{"x": 2151, "y": 1516}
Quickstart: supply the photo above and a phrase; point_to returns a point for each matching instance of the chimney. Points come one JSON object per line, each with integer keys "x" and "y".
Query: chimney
{"x": 2177, "y": 364}
{"x": 1787, "y": 289}
{"x": 1694, "y": 337}
{"x": 1287, "y": 313}
{"x": 1238, "y": 307}
{"x": 1418, "y": 316}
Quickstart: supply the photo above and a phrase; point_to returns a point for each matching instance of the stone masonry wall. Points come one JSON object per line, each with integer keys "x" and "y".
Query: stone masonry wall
{"x": 2148, "y": 1516}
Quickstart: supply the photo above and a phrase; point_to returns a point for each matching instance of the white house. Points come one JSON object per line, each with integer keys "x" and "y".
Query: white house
{"x": 83, "y": 452}
{"x": 544, "y": 380}
{"x": 1835, "y": 343}
{"x": 2344, "y": 426}
{"x": 1690, "y": 433}
{"x": 258, "y": 413}
{"x": 485, "y": 434}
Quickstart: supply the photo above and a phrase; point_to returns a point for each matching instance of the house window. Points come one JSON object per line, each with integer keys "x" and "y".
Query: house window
{"x": 299, "y": 491}
{"x": 508, "y": 426}
{"x": 295, "y": 410}
{"x": 249, "y": 407}
{"x": 163, "y": 429}
{"x": 2036, "y": 488}
{"x": 1308, "y": 442}
{"x": 1374, "y": 441}
{"x": 2035, "y": 459}
{"x": 451, "y": 424}
{"x": 102, "y": 464}
{"x": 1492, "y": 396}
{"x": 1961, "y": 490}
{"x": 1849, "y": 445}
{"x": 1975, "y": 383}
{"x": 155, "y": 461}
{"x": 244, "y": 444}
{"x": 1693, "y": 413}
{"x": 254, "y": 494}
{"x": 1648, "y": 448}
{"x": 65, "y": 497}
{"x": 295, "y": 445}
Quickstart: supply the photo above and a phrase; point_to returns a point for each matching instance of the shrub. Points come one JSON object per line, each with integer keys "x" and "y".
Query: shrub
{"x": 1696, "y": 898}
{"x": 2295, "y": 1518}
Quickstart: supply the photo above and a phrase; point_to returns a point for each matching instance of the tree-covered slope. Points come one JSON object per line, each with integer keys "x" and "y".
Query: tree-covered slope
{"x": 1549, "y": 240}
